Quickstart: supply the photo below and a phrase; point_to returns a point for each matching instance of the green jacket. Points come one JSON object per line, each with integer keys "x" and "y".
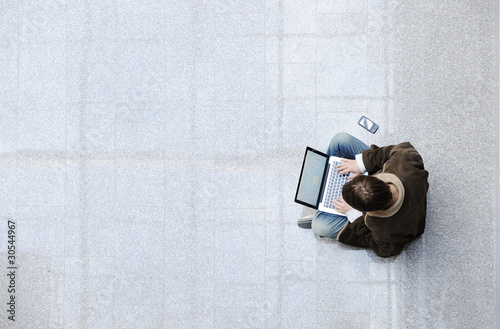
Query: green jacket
{"x": 386, "y": 232}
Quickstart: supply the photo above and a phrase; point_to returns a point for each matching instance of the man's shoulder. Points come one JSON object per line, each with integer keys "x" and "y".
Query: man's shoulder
{"x": 406, "y": 153}
{"x": 403, "y": 147}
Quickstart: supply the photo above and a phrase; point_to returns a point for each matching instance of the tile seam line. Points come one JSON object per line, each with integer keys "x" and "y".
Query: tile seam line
{"x": 66, "y": 160}
{"x": 115, "y": 171}
{"x": 316, "y": 115}
{"x": 213, "y": 101}
{"x": 497, "y": 167}
{"x": 265, "y": 181}
{"x": 281, "y": 33}
{"x": 82, "y": 165}
{"x": 192, "y": 90}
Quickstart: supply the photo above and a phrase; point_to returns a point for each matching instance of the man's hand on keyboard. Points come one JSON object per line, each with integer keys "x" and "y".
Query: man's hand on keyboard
{"x": 341, "y": 206}
{"x": 349, "y": 166}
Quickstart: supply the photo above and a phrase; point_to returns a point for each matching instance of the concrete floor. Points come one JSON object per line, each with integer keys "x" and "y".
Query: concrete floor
{"x": 149, "y": 155}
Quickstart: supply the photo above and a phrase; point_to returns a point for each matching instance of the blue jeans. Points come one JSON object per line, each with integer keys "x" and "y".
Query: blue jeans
{"x": 345, "y": 146}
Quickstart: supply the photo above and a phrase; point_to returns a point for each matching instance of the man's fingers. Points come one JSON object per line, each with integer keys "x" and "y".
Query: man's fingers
{"x": 343, "y": 169}
{"x": 353, "y": 175}
{"x": 346, "y": 166}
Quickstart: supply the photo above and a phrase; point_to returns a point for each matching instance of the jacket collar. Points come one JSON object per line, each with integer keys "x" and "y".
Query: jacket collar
{"x": 390, "y": 178}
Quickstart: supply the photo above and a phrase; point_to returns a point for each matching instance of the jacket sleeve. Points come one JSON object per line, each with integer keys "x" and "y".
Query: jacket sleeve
{"x": 357, "y": 234}
{"x": 375, "y": 158}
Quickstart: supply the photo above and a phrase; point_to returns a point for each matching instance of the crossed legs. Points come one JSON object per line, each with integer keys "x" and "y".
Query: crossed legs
{"x": 345, "y": 146}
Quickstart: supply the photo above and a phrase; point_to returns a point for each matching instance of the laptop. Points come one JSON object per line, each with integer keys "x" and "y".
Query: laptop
{"x": 319, "y": 182}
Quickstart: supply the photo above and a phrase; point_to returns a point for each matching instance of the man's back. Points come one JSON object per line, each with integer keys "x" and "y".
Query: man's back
{"x": 387, "y": 231}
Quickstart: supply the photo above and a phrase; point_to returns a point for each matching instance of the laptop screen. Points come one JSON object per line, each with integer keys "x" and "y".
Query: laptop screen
{"x": 311, "y": 178}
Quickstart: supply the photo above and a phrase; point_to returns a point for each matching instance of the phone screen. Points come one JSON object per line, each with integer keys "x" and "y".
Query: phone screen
{"x": 366, "y": 123}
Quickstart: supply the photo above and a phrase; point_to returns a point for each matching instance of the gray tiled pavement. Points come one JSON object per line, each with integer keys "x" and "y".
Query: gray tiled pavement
{"x": 149, "y": 154}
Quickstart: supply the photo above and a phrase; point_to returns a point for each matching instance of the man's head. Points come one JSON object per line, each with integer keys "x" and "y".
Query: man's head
{"x": 367, "y": 193}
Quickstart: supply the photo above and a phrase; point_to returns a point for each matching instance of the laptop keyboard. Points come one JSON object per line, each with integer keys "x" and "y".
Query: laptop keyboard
{"x": 334, "y": 188}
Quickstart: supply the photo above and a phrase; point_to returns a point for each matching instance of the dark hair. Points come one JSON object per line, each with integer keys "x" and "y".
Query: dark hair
{"x": 367, "y": 193}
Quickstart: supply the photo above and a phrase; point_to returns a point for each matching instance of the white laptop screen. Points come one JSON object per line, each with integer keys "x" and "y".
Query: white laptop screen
{"x": 312, "y": 177}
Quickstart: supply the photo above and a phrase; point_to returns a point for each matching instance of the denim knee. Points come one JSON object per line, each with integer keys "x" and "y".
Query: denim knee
{"x": 341, "y": 138}
{"x": 322, "y": 229}
{"x": 338, "y": 142}
{"x": 327, "y": 225}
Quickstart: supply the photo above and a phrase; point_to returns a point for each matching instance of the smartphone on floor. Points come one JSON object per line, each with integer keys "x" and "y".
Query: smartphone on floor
{"x": 368, "y": 124}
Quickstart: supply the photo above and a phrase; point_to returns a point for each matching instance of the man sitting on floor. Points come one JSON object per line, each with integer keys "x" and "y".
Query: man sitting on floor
{"x": 382, "y": 211}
